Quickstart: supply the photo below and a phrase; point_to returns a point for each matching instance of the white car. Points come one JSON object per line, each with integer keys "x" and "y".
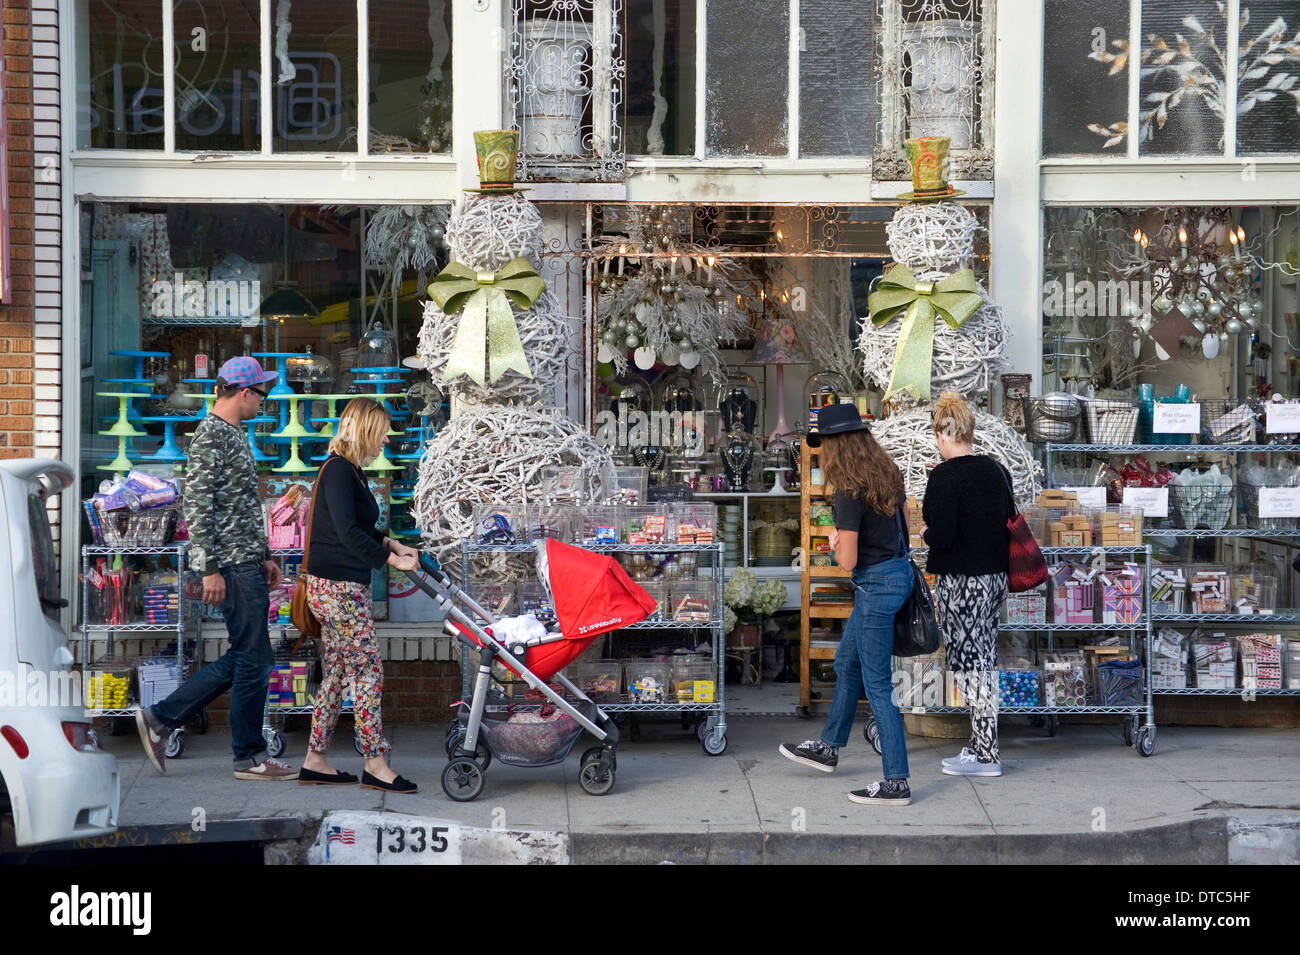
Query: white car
{"x": 53, "y": 777}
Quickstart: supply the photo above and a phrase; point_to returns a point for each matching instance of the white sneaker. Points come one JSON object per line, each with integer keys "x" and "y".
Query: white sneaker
{"x": 953, "y": 760}
{"x": 968, "y": 764}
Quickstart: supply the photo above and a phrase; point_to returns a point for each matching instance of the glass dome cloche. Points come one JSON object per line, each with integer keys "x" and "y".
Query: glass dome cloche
{"x": 310, "y": 369}
{"x": 777, "y": 459}
{"x": 377, "y": 348}
{"x": 824, "y": 388}
{"x": 740, "y": 403}
{"x": 740, "y": 452}
{"x": 629, "y": 394}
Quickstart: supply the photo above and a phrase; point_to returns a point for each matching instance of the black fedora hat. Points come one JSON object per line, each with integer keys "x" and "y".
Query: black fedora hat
{"x": 836, "y": 419}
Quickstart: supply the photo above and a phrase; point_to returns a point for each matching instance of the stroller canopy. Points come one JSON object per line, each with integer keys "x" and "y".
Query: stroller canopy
{"x": 592, "y": 593}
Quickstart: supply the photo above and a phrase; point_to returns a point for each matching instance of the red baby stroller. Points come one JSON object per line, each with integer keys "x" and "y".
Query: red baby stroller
{"x": 591, "y": 594}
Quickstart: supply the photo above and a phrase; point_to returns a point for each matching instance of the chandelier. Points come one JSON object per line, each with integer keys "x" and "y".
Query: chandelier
{"x": 1197, "y": 285}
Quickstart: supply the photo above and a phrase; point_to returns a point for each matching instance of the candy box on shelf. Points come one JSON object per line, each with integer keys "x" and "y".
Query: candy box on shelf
{"x": 1260, "y": 655}
{"x": 554, "y": 521}
{"x": 1253, "y": 589}
{"x": 694, "y": 681}
{"x": 1169, "y": 659}
{"x": 695, "y": 523}
{"x": 600, "y": 680}
{"x": 1119, "y": 526}
{"x": 499, "y": 524}
{"x": 1027, "y": 608}
{"x": 692, "y": 601}
{"x": 1064, "y": 680}
{"x": 1073, "y": 595}
{"x": 647, "y": 681}
{"x": 1209, "y": 589}
{"x": 626, "y": 485}
{"x": 1168, "y": 589}
{"x": 599, "y": 525}
{"x": 563, "y": 484}
{"x": 647, "y": 525}
{"x": 1121, "y": 595}
{"x": 108, "y": 686}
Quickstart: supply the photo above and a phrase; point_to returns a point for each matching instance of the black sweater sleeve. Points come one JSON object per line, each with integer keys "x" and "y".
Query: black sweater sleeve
{"x": 938, "y": 511}
{"x": 340, "y": 487}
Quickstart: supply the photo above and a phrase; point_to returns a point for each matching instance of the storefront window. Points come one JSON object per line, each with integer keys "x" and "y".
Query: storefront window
{"x": 119, "y": 82}
{"x": 1085, "y": 67}
{"x": 409, "y": 59}
{"x": 218, "y": 72}
{"x": 836, "y": 112}
{"x": 314, "y": 76}
{"x": 170, "y": 292}
{"x": 748, "y": 79}
{"x": 1268, "y": 95}
{"x": 661, "y": 77}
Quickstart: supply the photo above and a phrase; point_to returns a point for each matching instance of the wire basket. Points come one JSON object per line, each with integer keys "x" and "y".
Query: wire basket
{"x": 1227, "y": 421}
{"x": 1249, "y": 494}
{"x": 1198, "y": 505}
{"x": 1119, "y": 683}
{"x": 528, "y": 734}
{"x": 1146, "y": 424}
{"x": 148, "y": 528}
{"x": 1110, "y": 420}
{"x": 1053, "y": 417}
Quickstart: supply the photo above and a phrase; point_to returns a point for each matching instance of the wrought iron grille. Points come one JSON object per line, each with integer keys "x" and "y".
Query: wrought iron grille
{"x": 565, "y": 76}
{"x": 935, "y": 78}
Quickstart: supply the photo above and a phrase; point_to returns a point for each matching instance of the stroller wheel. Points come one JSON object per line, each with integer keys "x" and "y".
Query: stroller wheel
{"x": 596, "y": 752}
{"x": 462, "y": 780}
{"x": 596, "y": 776}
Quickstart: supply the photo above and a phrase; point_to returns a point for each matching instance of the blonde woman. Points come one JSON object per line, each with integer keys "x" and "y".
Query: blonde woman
{"x": 869, "y": 541}
{"x": 967, "y": 503}
{"x": 345, "y": 548}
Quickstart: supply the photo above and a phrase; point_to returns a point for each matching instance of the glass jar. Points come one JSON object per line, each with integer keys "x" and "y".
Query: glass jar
{"x": 824, "y": 388}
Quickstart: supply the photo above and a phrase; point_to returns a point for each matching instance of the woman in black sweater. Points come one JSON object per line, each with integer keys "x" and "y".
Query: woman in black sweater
{"x": 343, "y": 548}
{"x": 967, "y": 503}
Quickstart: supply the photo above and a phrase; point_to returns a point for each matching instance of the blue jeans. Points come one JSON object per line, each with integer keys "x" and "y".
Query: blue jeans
{"x": 864, "y": 661}
{"x": 244, "y": 669}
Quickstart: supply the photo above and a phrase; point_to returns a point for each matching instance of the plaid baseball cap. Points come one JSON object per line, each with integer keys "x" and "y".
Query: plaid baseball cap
{"x": 244, "y": 372}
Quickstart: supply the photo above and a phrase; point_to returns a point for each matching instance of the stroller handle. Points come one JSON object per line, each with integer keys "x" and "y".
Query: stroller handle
{"x": 430, "y": 566}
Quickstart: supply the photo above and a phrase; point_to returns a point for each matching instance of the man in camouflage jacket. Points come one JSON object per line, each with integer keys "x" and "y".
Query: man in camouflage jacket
{"x": 228, "y": 546}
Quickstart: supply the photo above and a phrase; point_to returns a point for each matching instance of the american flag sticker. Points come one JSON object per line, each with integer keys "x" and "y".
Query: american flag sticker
{"x": 339, "y": 834}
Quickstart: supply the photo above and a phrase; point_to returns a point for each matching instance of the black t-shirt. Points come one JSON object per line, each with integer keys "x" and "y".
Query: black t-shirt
{"x": 878, "y": 534}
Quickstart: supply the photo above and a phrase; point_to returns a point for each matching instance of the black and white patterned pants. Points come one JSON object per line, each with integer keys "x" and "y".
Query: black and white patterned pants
{"x": 969, "y": 608}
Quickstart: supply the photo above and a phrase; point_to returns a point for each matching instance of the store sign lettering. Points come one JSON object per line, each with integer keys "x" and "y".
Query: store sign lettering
{"x": 310, "y": 105}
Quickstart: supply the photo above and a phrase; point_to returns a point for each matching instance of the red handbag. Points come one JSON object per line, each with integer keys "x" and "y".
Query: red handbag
{"x": 1026, "y": 565}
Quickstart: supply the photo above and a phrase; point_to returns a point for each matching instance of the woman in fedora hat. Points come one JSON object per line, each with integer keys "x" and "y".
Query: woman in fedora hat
{"x": 869, "y": 541}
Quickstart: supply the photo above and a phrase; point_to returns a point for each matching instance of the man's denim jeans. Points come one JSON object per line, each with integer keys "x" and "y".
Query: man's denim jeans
{"x": 244, "y": 669}
{"x": 865, "y": 661}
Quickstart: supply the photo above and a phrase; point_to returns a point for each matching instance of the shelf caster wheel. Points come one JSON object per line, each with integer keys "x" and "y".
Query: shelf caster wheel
{"x": 1052, "y": 724}
{"x": 1146, "y": 741}
{"x": 1128, "y": 732}
{"x": 1037, "y": 722}
{"x": 274, "y": 745}
{"x": 702, "y": 730}
{"x": 803, "y": 712}
{"x": 715, "y": 743}
{"x": 462, "y": 780}
{"x": 175, "y": 745}
{"x": 116, "y": 726}
{"x": 596, "y": 775}
{"x": 871, "y": 732}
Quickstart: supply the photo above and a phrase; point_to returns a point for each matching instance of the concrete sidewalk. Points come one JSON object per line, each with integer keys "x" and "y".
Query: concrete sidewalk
{"x": 1206, "y": 796}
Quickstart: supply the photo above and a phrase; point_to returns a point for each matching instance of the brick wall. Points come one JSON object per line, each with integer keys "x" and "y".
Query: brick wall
{"x": 30, "y": 324}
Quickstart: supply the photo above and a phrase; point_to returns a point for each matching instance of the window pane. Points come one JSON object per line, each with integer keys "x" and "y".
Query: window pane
{"x": 1268, "y": 94}
{"x": 1181, "y": 98}
{"x": 835, "y": 79}
{"x": 410, "y": 76}
{"x": 660, "y": 77}
{"x": 218, "y": 72}
{"x": 748, "y": 74}
{"x": 1085, "y": 77}
{"x": 314, "y": 76}
{"x": 119, "y": 84}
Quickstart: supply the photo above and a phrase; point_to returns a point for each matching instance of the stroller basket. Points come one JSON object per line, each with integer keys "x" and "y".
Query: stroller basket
{"x": 528, "y": 735}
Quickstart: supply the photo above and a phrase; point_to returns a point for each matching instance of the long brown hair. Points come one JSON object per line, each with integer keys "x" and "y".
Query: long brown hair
{"x": 855, "y": 463}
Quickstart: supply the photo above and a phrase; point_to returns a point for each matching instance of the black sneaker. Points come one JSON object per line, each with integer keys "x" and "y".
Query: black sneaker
{"x": 812, "y": 752}
{"x": 892, "y": 792}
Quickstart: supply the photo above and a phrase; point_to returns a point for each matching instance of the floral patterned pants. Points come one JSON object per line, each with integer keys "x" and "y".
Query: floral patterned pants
{"x": 351, "y": 662}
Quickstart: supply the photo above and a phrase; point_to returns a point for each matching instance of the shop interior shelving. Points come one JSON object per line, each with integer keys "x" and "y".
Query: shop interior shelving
{"x": 1288, "y": 618}
{"x": 712, "y": 728}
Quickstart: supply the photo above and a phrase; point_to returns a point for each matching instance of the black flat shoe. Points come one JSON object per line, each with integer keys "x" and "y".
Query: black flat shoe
{"x": 308, "y": 777}
{"x": 398, "y": 785}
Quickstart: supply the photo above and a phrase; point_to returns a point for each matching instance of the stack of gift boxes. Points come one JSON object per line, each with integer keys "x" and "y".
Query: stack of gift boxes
{"x": 1261, "y": 660}
{"x": 289, "y": 685}
{"x": 1121, "y": 595}
{"x": 159, "y": 678}
{"x": 287, "y": 519}
{"x": 1168, "y": 660}
{"x": 1214, "y": 659}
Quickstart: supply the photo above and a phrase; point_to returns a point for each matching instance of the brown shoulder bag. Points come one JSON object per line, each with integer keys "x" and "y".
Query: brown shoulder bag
{"x": 300, "y": 614}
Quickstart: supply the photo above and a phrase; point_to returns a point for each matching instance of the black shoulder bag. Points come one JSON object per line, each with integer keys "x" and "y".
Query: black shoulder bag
{"x": 916, "y": 628}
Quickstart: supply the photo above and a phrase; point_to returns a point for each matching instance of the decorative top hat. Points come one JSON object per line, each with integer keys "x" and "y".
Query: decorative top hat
{"x": 928, "y": 157}
{"x": 836, "y": 419}
{"x": 497, "y": 151}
